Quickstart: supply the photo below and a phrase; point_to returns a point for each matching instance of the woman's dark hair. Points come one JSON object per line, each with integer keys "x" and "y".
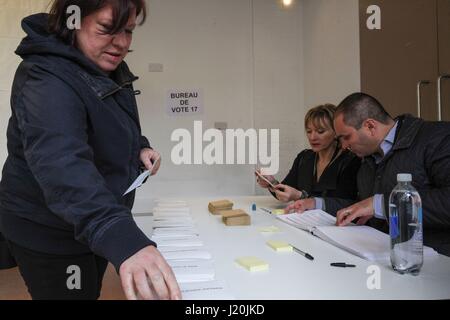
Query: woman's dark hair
{"x": 57, "y": 23}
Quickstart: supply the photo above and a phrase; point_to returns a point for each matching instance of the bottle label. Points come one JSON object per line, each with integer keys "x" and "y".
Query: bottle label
{"x": 393, "y": 227}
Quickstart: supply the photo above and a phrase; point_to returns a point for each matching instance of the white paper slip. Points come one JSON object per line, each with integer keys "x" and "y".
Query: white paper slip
{"x": 169, "y": 224}
{"x": 188, "y": 254}
{"x": 171, "y": 203}
{"x": 171, "y": 209}
{"x": 179, "y": 242}
{"x": 157, "y": 237}
{"x": 174, "y": 219}
{"x": 138, "y": 182}
{"x": 166, "y": 249}
{"x": 206, "y": 290}
{"x": 171, "y": 212}
{"x": 192, "y": 270}
{"x": 174, "y": 230}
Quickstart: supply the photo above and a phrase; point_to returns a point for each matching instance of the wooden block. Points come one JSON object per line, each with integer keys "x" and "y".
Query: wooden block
{"x": 235, "y": 218}
{"x": 215, "y": 207}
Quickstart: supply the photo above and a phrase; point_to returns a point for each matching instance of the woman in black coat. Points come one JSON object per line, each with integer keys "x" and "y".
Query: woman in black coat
{"x": 75, "y": 145}
{"x": 325, "y": 170}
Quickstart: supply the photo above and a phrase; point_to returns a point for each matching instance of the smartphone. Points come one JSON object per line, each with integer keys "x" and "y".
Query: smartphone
{"x": 265, "y": 179}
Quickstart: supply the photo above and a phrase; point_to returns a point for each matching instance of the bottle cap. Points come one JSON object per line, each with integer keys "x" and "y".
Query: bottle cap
{"x": 404, "y": 177}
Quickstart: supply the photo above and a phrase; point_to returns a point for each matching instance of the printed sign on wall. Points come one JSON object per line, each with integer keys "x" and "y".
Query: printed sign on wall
{"x": 184, "y": 102}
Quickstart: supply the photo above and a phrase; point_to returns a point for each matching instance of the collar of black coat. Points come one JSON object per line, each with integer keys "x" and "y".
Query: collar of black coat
{"x": 104, "y": 85}
{"x": 39, "y": 41}
{"x": 407, "y": 130}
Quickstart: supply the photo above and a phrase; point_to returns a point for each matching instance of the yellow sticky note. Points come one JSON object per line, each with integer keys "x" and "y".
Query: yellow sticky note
{"x": 279, "y": 246}
{"x": 278, "y": 211}
{"x": 253, "y": 264}
{"x": 268, "y": 229}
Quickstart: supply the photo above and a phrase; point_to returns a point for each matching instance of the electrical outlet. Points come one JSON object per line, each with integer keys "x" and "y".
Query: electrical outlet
{"x": 155, "y": 67}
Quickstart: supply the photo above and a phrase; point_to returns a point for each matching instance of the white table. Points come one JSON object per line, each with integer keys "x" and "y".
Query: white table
{"x": 292, "y": 276}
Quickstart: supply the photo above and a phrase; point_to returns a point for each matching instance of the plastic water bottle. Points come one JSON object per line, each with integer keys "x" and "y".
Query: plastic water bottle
{"x": 405, "y": 227}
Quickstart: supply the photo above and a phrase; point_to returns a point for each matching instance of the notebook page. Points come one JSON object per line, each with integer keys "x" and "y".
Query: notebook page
{"x": 309, "y": 219}
{"x": 363, "y": 241}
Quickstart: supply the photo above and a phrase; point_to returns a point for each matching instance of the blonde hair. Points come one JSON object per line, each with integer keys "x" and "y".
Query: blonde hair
{"x": 321, "y": 116}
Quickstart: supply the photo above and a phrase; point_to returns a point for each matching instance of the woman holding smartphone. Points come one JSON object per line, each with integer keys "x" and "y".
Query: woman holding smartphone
{"x": 323, "y": 171}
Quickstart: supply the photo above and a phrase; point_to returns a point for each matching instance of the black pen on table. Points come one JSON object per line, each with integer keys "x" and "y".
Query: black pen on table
{"x": 306, "y": 255}
{"x": 342, "y": 265}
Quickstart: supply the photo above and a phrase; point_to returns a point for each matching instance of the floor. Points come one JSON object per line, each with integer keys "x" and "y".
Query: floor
{"x": 12, "y": 286}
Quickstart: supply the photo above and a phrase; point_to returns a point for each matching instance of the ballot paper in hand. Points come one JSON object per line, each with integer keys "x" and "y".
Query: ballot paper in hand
{"x": 138, "y": 182}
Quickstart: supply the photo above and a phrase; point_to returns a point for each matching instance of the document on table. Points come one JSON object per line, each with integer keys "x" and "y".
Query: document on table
{"x": 192, "y": 270}
{"x": 170, "y": 214}
{"x": 188, "y": 253}
{"x": 206, "y": 290}
{"x": 362, "y": 241}
{"x": 172, "y": 223}
{"x": 174, "y": 235}
{"x": 175, "y": 231}
{"x": 189, "y": 241}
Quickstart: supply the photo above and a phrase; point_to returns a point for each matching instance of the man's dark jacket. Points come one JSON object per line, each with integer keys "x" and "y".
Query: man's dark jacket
{"x": 74, "y": 141}
{"x": 421, "y": 148}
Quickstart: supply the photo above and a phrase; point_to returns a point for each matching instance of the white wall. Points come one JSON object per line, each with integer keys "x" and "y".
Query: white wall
{"x": 260, "y": 65}
{"x": 247, "y": 57}
{"x": 331, "y": 50}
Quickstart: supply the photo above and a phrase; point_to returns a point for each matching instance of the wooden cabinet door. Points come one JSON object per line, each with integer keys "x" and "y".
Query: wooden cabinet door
{"x": 444, "y": 55}
{"x": 400, "y": 54}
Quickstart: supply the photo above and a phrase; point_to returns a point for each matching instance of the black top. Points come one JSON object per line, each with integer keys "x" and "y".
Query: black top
{"x": 338, "y": 180}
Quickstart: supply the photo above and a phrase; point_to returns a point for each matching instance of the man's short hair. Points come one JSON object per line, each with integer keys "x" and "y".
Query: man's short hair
{"x": 358, "y": 107}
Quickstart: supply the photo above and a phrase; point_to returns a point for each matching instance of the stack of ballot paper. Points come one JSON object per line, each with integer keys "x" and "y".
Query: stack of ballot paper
{"x": 180, "y": 244}
{"x": 215, "y": 207}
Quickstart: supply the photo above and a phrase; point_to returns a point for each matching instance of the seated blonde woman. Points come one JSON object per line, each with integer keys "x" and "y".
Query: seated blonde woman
{"x": 325, "y": 170}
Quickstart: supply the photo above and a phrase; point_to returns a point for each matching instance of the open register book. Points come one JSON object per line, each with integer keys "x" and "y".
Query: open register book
{"x": 362, "y": 241}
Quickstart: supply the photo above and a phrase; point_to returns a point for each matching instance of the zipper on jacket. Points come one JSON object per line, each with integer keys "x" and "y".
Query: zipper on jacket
{"x": 116, "y": 90}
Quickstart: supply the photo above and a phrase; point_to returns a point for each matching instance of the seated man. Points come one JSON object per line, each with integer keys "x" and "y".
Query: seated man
{"x": 388, "y": 147}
